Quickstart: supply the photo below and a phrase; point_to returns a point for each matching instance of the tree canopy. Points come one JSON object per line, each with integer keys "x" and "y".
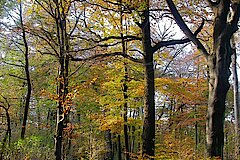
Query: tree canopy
{"x": 118, "y": 79}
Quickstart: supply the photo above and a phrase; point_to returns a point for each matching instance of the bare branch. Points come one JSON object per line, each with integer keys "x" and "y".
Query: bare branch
{"x": 174, "y": 42}
{"x": 16, "y": 65}
{"x": 185, "y": 28}
{"x": 169, "y": 43}
{"x": 15, "y": 76}
{"x": 49, "y": 53}
{"x": 107, "y": 55}
{"x": 75, "y": 25}
{"x": 46, "y": 40}
{"x": 45, "y": 9}
{"x": 129, "y": 37}
{"x": 136, "y": 50}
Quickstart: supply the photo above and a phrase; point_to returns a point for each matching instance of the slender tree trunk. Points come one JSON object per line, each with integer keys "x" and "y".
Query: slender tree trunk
{"x": 125, "y": 90}
{"x": 226, "y": 143}
{"x": 133, "y": 140}
{"x": 196, "y": 136}
{"x": 119, "y": 147}
{"x": 63, "y": 108}
{"x": 148, "y": 135}
{"x": 109, "y": 146}
{"x": 218, "y": 88}
{"x": 8, "y": 132}
{"x": 27, "y": 73}
{"x": 236, "y": 97}
{"x": 48, "y": 117}
{"x": 114, "y": 146}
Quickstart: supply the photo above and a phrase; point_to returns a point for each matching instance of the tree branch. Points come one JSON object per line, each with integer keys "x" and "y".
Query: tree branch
{"x": 16, "y": 65}
{"x": 174, "y": 42}
{"x": 106, "y": 55}
{"x": 127, "y": 37}
{"x": 45, "y": 9}
{"x": 185, "y": 28}
{"x": 15, "y": 76}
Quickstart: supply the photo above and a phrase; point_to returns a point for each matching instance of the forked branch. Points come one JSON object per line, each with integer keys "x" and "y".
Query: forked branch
{"x": 185, "y": 29}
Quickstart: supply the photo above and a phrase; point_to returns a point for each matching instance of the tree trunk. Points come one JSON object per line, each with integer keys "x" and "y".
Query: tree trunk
{"x": 236, "y": 97}
{"x": 109, "y": 145}
{"x": 8, "y": 132}
{"x": 27, "y": 73}
{"x": 125, "y": 127}
{"x": 148, "y": 135}
{"x": 119, "y": 148}
{"x": 63, "y": 108}
{"x": 219, "y": 64}
{"x": 125, "y": 87}
{"x": 218, "y": 88}
{"x": 58, "y": 137}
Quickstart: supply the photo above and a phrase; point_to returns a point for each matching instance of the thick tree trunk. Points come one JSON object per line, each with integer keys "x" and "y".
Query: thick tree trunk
{"x": 219, "y": 73}
{"x": 149, "y": 110}
{"x": 148, "y": 135}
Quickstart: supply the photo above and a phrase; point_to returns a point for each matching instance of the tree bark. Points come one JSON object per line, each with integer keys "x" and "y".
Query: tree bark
{"x": 148, "y": 135}
{"x": 119, "y": 148}
{"x": 236, "y": 97}
{"x": 218, "y": 87}
{"x": 219, "y": 72}
{"x": 63, "y": 108}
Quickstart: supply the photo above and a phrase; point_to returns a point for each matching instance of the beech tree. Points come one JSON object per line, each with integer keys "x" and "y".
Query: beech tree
{"x": 108, "y": 77}
{"x": 148, "y": 53}
{"x": 226, "y": 17}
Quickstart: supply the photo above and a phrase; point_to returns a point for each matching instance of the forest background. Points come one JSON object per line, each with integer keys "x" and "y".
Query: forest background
{"x": 105, "y": 79}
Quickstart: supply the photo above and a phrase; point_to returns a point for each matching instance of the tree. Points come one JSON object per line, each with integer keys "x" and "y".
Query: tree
{"x": 142, "y": 11}
{"x": 148, "y": 136}
{"x": 236, "y": 93}
{"x": 6, "y": 106}
{"x": 27, "y": 72}
{"x": 218, "y": 62}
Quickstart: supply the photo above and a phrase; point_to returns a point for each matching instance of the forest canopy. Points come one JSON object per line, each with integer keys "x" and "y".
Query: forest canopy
{"x": 119, "y": 79}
